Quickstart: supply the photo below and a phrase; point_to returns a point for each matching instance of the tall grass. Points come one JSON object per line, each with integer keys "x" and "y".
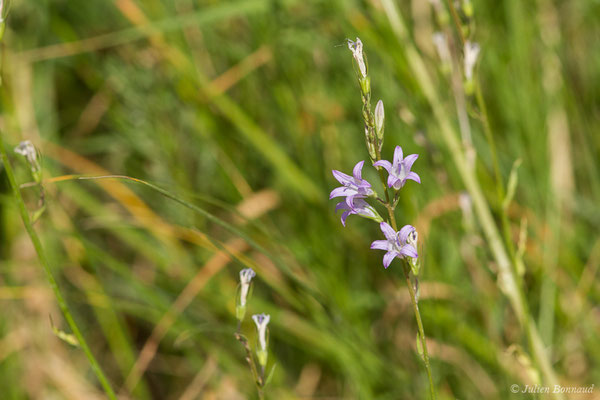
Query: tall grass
{"x": 241, "y": 109}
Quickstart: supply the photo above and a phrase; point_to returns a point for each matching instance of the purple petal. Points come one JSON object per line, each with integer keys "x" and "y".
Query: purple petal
{"x": 404, "y": 232}
{"x": 398, "y": 155}
{"x": 414, "y": 177}
{"x": 344, "y": 216}
{"x": 391, "y": 180}
{"x": 342, "y": 177}
{"x": 399, "y": 183}
{"x": 350, "y": 203}
{"x": 408, "y": 250}
{"x": 358, "y": 170}
{"x": 409, "y": 161}
{"x": 385, "y": 164}
{"x": 388, "y": 231}
{"x": 341, "y": 206}
{"x": 363, "y": 184}
{"x": 360, "y": 203}
{"x": 380, "y": 245}
{"x": 388, "y": 258}
{"x": 341, "y": 191}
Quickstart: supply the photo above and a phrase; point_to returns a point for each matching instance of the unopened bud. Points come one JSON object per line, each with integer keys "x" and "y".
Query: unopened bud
{"x": 467, "y": 7}
{"x": 370, "y": 139}
{"x": 28, "y": 150}
{"x": 443, "y": 51}
{"x": 261, "y": 321}
{"x": 246, "y": 276}
{"x": 379, "y": 118}
{"x": 471, "y": 54}
{"x": 412, "y": 239}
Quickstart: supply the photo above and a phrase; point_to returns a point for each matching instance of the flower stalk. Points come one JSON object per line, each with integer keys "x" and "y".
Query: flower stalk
{"x": 258, "y": 360}
{"x": 401, "y": 244}
{"x": 37, "y": 244}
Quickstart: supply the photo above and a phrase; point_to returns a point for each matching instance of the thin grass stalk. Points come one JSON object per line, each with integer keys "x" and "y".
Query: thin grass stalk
{"x": 508, "y": 278}
{"x": 37, "y": 244}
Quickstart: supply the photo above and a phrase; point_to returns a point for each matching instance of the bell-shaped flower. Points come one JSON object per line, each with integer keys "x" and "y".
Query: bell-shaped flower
{"x": 28, "y": 150}
{"x": 359, "y": 207}
{"x": 396, "y": 243}
{"x": 399, "y": 171}
{"x": 246, "y": 276}
{"x": 471, "y": 53}
{"x": 357, "y": 52}
{"x": 261, "y": 321}
{"x": 353, "y": 186}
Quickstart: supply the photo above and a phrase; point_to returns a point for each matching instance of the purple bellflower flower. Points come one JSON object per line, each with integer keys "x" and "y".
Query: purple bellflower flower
{"x": 359, "y": 207}
{"x": 399, "y": 172}
{"x": 353, "y": 186}
{"x": 396, "y": 243}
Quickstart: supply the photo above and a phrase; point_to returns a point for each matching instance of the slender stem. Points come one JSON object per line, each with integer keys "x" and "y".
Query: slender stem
{"x": 499, "y": 183}
{"x": 456, "y": 19}
{"x": 415, "y": 304}
{"x": 258, "y": 379}
{"x": 37, "y": 244}
{"x": 390, "y": 205}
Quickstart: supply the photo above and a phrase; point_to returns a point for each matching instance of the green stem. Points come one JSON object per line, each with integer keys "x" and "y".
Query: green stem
{"x": 496, "y": 165}
{"x": 258, "y": 379}
{"x": 37, "y": 244}
{"x": 390, "y": 205}
{"x": 507, "y": 277}
{"x": 456, "y": 19}
{"x": 415, "y": 304}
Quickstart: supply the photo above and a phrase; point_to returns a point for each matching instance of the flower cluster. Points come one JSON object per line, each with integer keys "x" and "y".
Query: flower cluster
{"x": 357, "y": 191}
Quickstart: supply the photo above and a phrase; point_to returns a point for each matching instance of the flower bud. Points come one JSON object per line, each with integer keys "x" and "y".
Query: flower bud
{"x": 357, "y": 53}
{"x": 370, "y": 143}
{"x": 467, "y": 7}
{"x": 379, "y": 118}
{"x": 443, "y": 51}
{"x": 471, "y": 53}
{"x": 261, "y": 321}
{"x": 28, "y": 150}
{"x": 246, "y": 276}
{"x": 412, "y": 238}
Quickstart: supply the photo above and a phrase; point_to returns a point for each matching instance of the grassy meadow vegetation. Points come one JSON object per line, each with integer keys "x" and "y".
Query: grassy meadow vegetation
{"x": 238, "y": 111}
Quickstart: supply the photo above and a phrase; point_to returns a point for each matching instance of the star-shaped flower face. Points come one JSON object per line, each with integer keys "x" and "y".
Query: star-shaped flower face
{"x": 396, "y": 243}
{"x": 354, "y": 186}
{"x": 399, "y": 172}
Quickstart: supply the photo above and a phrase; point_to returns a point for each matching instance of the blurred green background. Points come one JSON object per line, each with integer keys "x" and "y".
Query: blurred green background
{"x": 244, "y": 108}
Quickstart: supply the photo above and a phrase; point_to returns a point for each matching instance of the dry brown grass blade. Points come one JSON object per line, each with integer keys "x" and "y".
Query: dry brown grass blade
{"x": 210, "y": 269}
{"x": 253, "y": 207}
{"x": 119, "y": 191}
{"x": 195, "y": 388}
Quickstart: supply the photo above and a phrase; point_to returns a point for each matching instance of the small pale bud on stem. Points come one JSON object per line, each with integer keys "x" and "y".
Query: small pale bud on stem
{"x": 261, "y": 321}
{"x": 246, "y": 276}
{"x": 28, "y": 150}
{"x": 471, "y": 51}
{"x": 379, "y": 119}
